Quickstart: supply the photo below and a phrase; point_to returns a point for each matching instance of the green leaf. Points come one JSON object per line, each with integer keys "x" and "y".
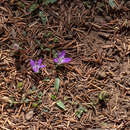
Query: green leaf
{"x": 43, "y": 17}
{"x": 39, "y": 101}
{"x": 27, "y": 100}
{"x": 80, "y": 111}
{"x": 47, "y": 35}
{"x": 35, "y": 104}
{"x": 49, "y": 2}
{"x": 21, "y": 4}
{"x": 13, "y": 103}
{"x": 102, "y": 96}
{"x": 45, "y": 109}
{"x": 66, "y": 98}
{"x": 57, "y": 84}
{"x": 40, "y": 94}
{"x": 87, "y": 4}
{"x": 54, "y": 53}
{"x": 55, "y": 40}
{"x": 46, "y": 80}
{"x": 60, "y": 104}
{"x": 112, "y": 3}
{"x": 33, "y": 7}
{"x": 20, "y": 84}
{"x": 53, "y": 97}
{"x": 33, "y": 88}
{"x": 47, "y": 49}
{"x": 24, "y": 33}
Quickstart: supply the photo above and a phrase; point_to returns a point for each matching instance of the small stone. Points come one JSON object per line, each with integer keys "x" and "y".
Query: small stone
{"x": 101, "y": 75}
{"x": 104, "y": 35}
{"x": 99, "y": 20}
{"x": 29, "y": 115}
{"x": 108, "y": 18}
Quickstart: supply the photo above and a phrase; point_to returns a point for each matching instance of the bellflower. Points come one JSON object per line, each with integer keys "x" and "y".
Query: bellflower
{"x": 36, "y": 65}
{"x": 61, "y": 58}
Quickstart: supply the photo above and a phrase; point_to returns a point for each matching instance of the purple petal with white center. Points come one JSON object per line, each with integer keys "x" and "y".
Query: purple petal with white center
{"x": 56, "y": 60}
{"x": 61, "y": 54}
{"x": 39, "y": 61}
{"x": 66, "y": 60}
{"x": 35, "y": 68}
{"x": 32, "y": 62}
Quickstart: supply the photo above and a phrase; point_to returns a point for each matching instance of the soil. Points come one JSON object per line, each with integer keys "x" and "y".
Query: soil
{"x": 94, "y": 88}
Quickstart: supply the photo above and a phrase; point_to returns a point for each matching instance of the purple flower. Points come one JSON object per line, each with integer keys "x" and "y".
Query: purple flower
{"x": 36, "y": 65}
{"x": 61, "y": 58}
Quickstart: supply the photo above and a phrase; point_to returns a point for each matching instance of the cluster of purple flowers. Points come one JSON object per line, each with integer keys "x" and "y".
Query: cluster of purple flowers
{"x": 36, "y": 65}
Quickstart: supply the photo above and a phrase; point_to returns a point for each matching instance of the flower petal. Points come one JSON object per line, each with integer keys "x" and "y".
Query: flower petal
{"x": 32, "y": 62}
{"x": 35, "y": 68}
{"x": 39, "y": 61}
{"x": 56, "y": 60}
{"x": 61, "y": 54}
{"x": 41, "y": 66}
{"x": 66, "y": 60}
